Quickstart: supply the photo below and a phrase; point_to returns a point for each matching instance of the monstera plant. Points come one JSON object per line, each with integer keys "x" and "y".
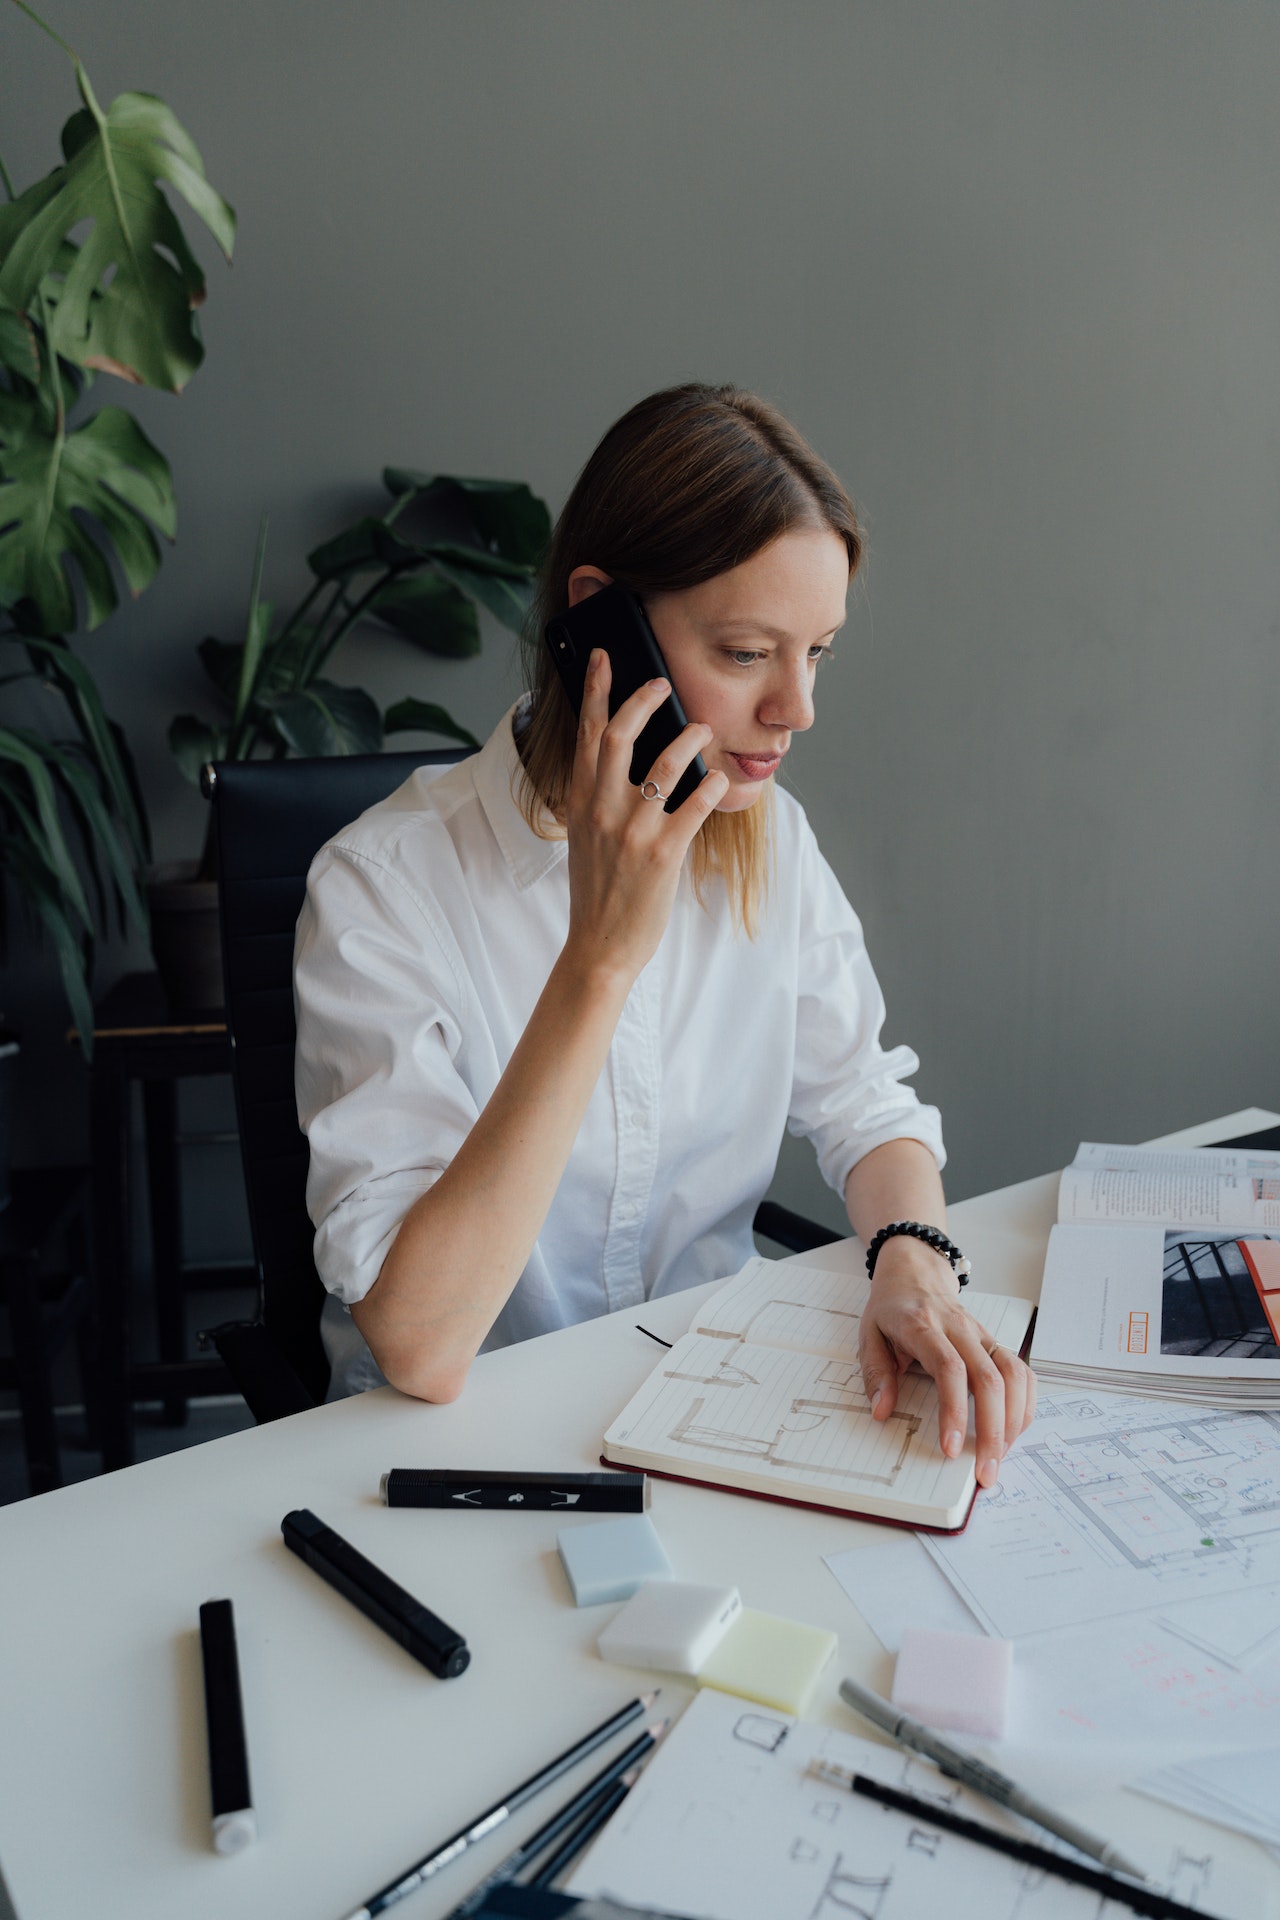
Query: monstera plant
{"x": 85, "y": 497}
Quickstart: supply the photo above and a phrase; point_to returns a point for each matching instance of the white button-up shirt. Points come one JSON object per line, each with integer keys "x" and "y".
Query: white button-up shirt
{"x": 428, "y": 933}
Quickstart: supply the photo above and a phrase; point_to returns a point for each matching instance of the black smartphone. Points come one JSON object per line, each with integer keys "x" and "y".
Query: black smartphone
{"x": 615, "y": 619}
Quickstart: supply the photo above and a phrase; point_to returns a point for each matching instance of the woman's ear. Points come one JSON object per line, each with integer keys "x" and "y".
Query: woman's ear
{"x": 584, "y": 581}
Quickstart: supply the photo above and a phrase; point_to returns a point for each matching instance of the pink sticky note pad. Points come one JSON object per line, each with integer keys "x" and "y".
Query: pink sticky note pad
{"x": 958, "y": 1681}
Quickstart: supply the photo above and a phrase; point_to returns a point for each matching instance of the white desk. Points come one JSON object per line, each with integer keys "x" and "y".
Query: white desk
{"x": 360, "y": 1759}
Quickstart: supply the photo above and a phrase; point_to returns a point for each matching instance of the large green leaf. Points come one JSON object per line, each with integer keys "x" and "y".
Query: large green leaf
{"x": 193, "y": 743}
{"x": 505, "y": 594}
{"x": 424, "y": 716}
{"x": 101, "y": 840}
{"x": 371, "y": 543}
{"x": 18, "y": 348}
{"x": 27, "y": 755}
{"x": 103, "y": 743}
{"x": 431, "y": 612}
{"x": 107, "y": 469}
{"x": 221, "y": 661}
{"x": 126, "y": 300}
{"x": 506, "y": 514}
{"x": 359, "y": 548}
{"x": 324, "y": 719}
{"x": 74, "y": 949}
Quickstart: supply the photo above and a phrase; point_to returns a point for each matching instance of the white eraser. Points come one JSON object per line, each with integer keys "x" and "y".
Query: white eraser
{"x": 670, "y": 1625}
{"x": 956, "y": 1681}
{"x": 610, "y": 1559}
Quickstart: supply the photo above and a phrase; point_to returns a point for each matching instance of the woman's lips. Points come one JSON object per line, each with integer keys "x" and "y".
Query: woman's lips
{"x": 757, "y": 766}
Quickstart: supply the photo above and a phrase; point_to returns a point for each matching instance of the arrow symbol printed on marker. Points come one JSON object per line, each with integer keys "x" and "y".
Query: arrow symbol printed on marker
{"x": 471, "y": 1499}
{"x": 514, "y": 1499}
{"x": 566, "y": 1499}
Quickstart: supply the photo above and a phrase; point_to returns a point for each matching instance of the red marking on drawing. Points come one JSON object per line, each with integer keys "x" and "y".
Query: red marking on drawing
{"x": 1262, "y": 1257}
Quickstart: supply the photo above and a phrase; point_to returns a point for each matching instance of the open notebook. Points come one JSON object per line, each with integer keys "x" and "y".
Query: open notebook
{"x": 764, "y": 1394}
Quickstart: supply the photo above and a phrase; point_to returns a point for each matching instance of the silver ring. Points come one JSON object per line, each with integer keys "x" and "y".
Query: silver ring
{"x": 652, "y": 791}
{"x": 992, "y": 1350}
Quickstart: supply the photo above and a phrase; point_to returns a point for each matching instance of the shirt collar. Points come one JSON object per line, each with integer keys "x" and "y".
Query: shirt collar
{"x": 497, "y": 772}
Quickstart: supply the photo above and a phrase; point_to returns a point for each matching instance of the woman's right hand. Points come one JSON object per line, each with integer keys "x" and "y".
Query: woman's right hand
{"x": 626, "y": 852}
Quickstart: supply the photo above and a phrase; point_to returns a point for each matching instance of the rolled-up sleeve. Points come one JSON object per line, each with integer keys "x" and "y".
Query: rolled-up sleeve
{"x": 380, "y": 1009}
{"x": 848, "y": 1095}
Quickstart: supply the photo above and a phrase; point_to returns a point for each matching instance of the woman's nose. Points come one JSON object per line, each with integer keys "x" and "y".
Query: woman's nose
{"x": 789, "y": 700}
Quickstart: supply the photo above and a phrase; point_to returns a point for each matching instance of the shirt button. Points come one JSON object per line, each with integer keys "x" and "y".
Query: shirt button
{"x": 628, "y": 1211}
{"x": 640, "y": 1117}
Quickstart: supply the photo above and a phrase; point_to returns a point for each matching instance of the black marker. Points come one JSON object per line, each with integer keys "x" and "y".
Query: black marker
{"x": 234, "y": 1825}
{"x": 538, "y": 1492}
{"x": 421, "y": 1632}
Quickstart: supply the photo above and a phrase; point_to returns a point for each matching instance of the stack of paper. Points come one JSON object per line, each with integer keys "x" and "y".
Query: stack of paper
{"x": 1163, "y": 1275}
{"x": 1240, "y": 1790}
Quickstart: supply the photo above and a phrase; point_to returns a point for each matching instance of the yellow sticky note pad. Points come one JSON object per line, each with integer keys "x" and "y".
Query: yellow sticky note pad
{"x": 774, "y": 1662}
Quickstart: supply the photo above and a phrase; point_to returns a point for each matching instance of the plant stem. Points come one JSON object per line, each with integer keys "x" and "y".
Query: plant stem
{"x": 254, "y": 638}
{"x": 318, "y": 650}
{"x": 353, "y": 614}
{"x": 304, "y": 606}
{"x": 398, "y": 506}
{"x": 59, "y": 415}
{"x": 45, "y": 27}
{"x": 8, "y": 183}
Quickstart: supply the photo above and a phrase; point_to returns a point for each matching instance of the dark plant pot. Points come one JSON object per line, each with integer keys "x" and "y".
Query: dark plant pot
{"x": 186, "y": 940}
{"x": 8, "y": 1098}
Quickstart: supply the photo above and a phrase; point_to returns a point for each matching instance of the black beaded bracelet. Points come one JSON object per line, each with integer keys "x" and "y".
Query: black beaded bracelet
{"x": 932, "y": 1237}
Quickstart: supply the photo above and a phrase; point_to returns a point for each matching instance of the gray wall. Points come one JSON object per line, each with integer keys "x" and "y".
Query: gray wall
{"x": 1012, "y": 267}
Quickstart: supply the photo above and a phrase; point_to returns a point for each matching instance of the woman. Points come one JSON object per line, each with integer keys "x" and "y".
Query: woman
{"x": 549, "y": 1034}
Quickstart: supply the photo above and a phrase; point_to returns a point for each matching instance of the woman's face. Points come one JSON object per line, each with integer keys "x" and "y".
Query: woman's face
{"x": 742, "y": 650}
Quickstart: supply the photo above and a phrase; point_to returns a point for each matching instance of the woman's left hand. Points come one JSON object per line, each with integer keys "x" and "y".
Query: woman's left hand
{"x": 916, "y": 1314}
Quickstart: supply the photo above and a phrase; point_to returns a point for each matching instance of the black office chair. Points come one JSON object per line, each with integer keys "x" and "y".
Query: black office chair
{"x": 271, "y": 818}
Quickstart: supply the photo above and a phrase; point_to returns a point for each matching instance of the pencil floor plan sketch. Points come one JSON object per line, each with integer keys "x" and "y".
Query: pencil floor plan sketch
{"x": 765, "y": 1393}
{"x": 807, "y": 1435}
{"x": 727, "y": 1822}
{"x": 805, "y": 1412}
{"x": 1115, "y": 1504}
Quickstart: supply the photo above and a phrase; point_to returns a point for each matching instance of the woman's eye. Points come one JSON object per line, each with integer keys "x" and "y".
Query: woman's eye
{"x": 744, "y": 657}
{"x": 819, "y": 653}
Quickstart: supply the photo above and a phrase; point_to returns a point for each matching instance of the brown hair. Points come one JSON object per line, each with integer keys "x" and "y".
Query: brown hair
{"x": 688, "y": 483}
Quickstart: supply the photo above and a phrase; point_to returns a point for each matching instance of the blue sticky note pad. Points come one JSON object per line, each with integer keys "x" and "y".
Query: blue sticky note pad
{"x": 611, "y": 1559}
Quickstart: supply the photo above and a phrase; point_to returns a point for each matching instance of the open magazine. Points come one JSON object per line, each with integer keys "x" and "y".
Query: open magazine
{"x": 1163, "y": 1275}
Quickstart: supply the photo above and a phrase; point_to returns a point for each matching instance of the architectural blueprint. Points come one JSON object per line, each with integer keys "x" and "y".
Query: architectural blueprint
{"x": 726, "y": 1822}
{"x": 1114, "y": 1504}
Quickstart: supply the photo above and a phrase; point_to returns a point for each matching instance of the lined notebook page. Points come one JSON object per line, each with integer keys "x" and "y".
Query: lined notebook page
{"x": 776, "y": 1305}
{"x": 767, "y": 1416}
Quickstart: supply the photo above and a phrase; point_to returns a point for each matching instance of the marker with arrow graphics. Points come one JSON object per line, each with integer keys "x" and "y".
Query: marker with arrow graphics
{"x": 486, "y": 1490}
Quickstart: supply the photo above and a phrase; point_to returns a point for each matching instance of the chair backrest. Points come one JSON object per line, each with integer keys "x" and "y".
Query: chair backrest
{"x": 272, "y": 817}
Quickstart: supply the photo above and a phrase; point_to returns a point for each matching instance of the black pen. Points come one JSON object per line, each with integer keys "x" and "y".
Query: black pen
{"x": 583, "y": 1806}
{"x": 421, "y": 1632}
{"x": 516, "y": 1492}
{"x": 234, "y": 1823}
{"x": 484, "y": 1823}
{"x": 1142, "y": 1898}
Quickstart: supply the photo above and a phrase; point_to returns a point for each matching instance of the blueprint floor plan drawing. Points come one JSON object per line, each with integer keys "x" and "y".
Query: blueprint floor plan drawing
{"x": 1117, "y": 1504}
